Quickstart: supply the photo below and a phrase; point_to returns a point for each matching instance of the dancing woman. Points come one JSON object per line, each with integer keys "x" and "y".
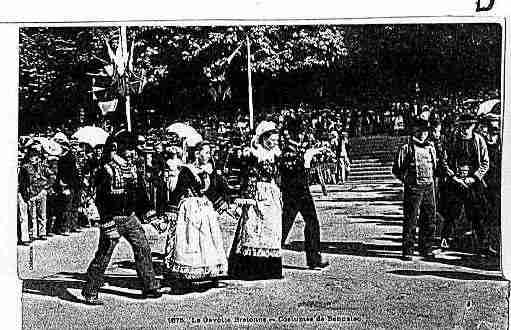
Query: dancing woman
{"x": 195, "y": 249}
{"x": 256, "y": 252}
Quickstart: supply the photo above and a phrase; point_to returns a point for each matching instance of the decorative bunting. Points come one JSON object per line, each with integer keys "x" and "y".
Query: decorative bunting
{"x": 108, "y": 106}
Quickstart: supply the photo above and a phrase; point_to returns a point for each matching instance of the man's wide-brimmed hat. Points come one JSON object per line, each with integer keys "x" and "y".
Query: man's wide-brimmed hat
{"x": 121, "y": 140}
{"x": 466, "y": 118}
{"x": 420, "y": 123}
{"x": 265, "y": 127}
{"x": 293, "y": 125}
{"x": 61, "y": 138}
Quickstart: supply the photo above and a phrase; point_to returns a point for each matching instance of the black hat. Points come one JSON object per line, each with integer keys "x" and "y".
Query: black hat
{"x": 466, "y": 118}
{"x": 121, "y": 140}
{"x": 420, "y": 123}
{"x": 293, "y": 125}
{"x": 31, "y": 152}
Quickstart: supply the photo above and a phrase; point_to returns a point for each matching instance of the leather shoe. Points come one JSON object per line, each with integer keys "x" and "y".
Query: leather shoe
{"x": 319, "y": 264}
{"x": 152, "y": 294}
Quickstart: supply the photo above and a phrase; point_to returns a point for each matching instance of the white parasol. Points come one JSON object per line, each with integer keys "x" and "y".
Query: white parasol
{"x": 49, "y": 146}
{"x": 488, "y": 107}
{"x": 187, "y": 132}
{"x": 91, "y": 135}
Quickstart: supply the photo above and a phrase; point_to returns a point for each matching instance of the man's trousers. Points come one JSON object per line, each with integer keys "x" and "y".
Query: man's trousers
{"x": 419, "y": 209}
{"x": 37, "y": 214}
{"x": 300, "y": 200}
{"x": 131, "y": 229}
{"x": 475, "y": 203}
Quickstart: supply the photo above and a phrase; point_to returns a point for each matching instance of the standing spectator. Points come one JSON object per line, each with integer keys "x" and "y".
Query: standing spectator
{"x": 82, "y": 152}
{"x": 22, "y": 225}
{"x": 466, "y": 166}
{"x": 415, "y": 165}
{"x": 52, "y": 197}
{"x": 33, "y": 190}
{"x": 343, "y": 158}
{"x": 157, "y": 179}
{"x": 438, "y": 141}
{"x": 69, "y": 186}
{"x": 493, "y": 180}
{"x": 399, "y": 124}
{"x": 358, "y": 123}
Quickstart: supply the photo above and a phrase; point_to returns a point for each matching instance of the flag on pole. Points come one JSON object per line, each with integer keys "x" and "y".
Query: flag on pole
{"x": 109, "y": 69}
{"x": 108, "y": 106}
{"x": 249, "y": 72}
{"x": 130, "y": 61}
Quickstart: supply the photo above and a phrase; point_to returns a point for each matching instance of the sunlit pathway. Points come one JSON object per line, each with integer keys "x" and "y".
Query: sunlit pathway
{"x": 366, "y": 286}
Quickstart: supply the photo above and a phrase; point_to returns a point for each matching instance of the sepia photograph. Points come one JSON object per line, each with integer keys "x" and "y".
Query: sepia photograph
{"x": 269, "y": 176}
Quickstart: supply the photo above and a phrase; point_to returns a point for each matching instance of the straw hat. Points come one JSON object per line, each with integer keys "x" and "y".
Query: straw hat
{"x": 265, "y": 127}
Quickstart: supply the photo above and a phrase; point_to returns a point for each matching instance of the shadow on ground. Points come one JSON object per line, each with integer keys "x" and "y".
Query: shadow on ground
{"x": 58, "y": 285}
{"x": 394, "y": 252}
{"x": 456, "y": 275}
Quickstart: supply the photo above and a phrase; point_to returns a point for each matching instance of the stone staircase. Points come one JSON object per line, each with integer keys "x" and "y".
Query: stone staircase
{"x": 371, "y": 158}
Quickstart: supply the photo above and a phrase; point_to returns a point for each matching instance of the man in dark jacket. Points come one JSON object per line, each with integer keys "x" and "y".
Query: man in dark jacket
{"x": 296, "y": 196}
{"x": 33, "y": 188}
{"x": 439, "y": 142}
{"x": 415, "y": 165}
{"x": 467, "y": 163}
{"x": 69, "y": 188}
{"x": 121, "y": 200}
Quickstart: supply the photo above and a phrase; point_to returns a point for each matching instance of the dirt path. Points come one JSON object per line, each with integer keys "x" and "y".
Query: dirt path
{"x": 366, "y": 286}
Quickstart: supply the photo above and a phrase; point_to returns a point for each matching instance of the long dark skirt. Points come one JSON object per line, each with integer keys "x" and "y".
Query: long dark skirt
{"x": 250, "y": 268}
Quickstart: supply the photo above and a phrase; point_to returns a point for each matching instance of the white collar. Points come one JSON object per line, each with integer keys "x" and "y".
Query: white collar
{"x": 264, "y": 154}
{"x": 119, "y": 160}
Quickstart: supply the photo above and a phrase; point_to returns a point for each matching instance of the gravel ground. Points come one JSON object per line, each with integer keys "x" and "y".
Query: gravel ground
{"x": 367, "y": 286}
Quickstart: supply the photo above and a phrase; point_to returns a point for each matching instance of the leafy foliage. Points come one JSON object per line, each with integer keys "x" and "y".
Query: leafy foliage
{"x": 198, "y": 65}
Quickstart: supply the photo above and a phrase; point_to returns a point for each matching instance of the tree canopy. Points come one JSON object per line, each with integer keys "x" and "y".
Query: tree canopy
{"x": 185, "y": 67}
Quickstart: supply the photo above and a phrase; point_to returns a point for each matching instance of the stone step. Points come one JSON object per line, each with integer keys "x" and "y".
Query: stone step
{"x": 369, "y": 173}
{"x": 386, "y": 156}
{"x": 371, "y": 162}
{"x": 368, "y": 182}
{"x": 370, "y": 167}
{"x": 373, "y": 153}
{"x": 371, "y": 177}
{"x": 381, "y": 153}
{"x": 376, "y": 145}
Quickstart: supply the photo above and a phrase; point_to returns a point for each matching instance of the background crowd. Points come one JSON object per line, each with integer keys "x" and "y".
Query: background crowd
{"x": 56, "y": 190}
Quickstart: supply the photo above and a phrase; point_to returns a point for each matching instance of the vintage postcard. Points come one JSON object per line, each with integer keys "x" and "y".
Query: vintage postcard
{"x": 320, "y": 173}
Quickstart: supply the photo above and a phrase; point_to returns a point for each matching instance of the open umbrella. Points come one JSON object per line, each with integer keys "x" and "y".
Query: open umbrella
{"x": 187, "y": 132}
{"x": 487, "y": 107}
{"x": 91, "y": 135}
{"x": 49, "y": 146}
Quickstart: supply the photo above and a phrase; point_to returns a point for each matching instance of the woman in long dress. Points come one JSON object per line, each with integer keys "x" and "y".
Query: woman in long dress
{"x": 195, "y": 250}
{"x": 256, "y": 250}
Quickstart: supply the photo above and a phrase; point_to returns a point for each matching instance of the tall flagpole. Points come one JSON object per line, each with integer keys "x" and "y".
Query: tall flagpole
{"x": 249, "y": 72}
{"x": 124, "y": 47}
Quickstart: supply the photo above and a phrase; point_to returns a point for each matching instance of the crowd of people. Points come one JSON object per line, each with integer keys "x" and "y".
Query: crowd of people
{"x": 450, "y": 177}
{"x": 56, "y": 190}
{"x": 450, "y": 170}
